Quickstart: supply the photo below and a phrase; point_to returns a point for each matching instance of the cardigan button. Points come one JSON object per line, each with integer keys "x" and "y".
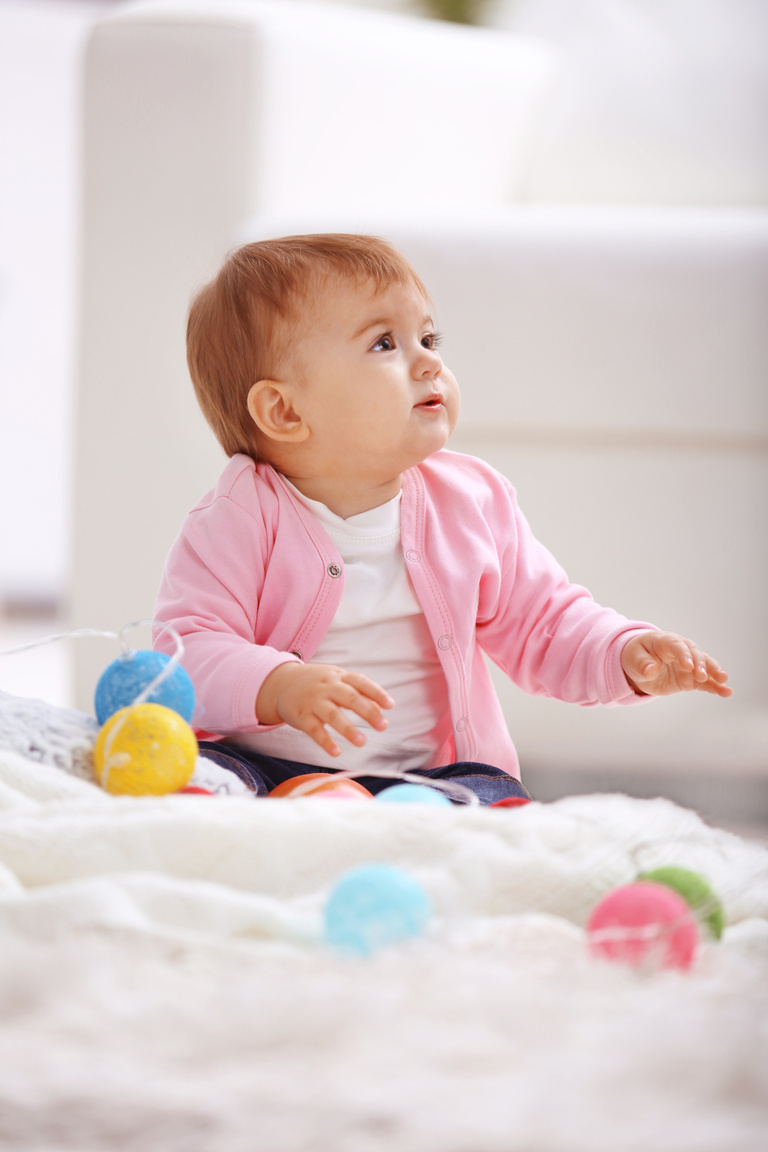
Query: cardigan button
{"x": 334, "y": 570}
{"x": 295, "y": 653}
{"x": 444, "y": 642}
{"x": 461, "y": 724}
{"x": 412, "y": 555}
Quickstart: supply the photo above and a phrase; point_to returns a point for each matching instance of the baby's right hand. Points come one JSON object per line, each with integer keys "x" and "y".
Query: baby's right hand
{"x": 311, "y": 696}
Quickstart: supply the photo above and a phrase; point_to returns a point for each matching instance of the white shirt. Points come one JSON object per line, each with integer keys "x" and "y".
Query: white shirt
{"x": 379, "y": 629}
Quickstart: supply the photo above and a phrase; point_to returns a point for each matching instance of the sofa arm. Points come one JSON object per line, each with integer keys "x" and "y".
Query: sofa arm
{"x": 361, "y": 108}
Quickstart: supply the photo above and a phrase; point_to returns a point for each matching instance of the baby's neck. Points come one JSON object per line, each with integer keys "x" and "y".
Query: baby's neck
{"x": 345, "y": 500}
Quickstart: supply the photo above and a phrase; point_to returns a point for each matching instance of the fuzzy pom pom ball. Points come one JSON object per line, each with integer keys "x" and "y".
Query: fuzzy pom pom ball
{"x": 413, "y": 794}
{"x": 643, "y": 924}
{"x": 373, "y": 906}
{"x": 125, "y": 679}
{"x": 325, "y": 782}
{"x": 145, "y": 750}
{"x": 696, "y": 892}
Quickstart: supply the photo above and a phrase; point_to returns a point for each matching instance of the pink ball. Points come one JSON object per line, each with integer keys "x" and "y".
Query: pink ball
{"x": 644, "y": 923}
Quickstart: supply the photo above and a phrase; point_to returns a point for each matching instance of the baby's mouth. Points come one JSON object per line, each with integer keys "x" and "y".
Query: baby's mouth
{"x": 435, "y": 401}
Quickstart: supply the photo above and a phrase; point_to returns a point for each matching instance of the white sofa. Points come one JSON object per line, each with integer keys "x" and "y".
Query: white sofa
{"x": 613, "y": 357}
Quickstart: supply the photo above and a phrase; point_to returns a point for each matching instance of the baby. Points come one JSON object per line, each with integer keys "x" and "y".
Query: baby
{"x": 337, "y": 589}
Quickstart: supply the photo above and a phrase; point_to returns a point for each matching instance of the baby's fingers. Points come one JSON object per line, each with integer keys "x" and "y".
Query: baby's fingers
{"x": 687, "y": 657}
{"x": 679, "y": 653}
{"x": 640, "y": 658}
{"x": 659, "y": 663}
{"x": 315, "y": 728}
{"x": 368, "y": 699}
{"x": 663, "y": 662}
{"x": 369, "y": 688}
{"x": 714, "y": 679}
{"x": 353, "y": 694}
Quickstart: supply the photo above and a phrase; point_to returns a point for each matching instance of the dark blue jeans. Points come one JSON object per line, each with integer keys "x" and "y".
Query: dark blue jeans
{"x": 263, "y": 773}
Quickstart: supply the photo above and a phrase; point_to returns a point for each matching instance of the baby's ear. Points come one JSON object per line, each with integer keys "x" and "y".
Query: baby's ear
{"x": 271, "y": 408}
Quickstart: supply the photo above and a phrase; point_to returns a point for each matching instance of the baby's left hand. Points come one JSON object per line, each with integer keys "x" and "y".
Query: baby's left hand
{"x": 660, "y": 663}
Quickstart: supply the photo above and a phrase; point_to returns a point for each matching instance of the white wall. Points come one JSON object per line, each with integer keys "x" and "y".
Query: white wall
{"x": 40, "y": 43}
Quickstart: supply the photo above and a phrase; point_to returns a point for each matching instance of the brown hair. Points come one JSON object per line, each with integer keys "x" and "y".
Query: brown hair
{"x": 237, "y": 326}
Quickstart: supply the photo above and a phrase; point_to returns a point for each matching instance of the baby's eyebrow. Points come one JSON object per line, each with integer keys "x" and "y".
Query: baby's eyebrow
{"x": 388, "y": 322}
{"x": 382, "y": 322}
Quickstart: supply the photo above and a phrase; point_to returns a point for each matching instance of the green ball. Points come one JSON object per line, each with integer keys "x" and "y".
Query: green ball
{"x": 696, "y": 892}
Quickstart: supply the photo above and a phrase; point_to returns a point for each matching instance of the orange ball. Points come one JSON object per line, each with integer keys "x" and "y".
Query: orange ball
{"x": 331, "y": 783}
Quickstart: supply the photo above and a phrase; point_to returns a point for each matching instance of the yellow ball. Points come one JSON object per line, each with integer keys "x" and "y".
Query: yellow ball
{"x": 145, "y": 750}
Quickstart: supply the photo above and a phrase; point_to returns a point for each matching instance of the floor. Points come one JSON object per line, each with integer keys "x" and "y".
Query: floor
{"x": 42, "y": 672}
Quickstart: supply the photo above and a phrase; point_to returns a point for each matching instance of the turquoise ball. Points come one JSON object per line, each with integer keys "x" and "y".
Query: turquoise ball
{"x": 413, "y": 794}
{"x": 373, "y": 906}
{"x": 127, "y": 677}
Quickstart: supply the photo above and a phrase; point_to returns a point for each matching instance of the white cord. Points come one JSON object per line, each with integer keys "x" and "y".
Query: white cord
{"x": 459, "y": 791}
{"x": 167, "y": 670}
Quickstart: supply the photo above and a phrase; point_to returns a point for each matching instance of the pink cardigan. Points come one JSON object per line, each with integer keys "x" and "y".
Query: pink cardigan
{"x": 252, "y": 580}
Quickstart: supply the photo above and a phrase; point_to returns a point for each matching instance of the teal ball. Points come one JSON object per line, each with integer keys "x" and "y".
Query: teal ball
{"x": 127, "y": 677}
{"x": 373, "y": 906}
{"x": 413, "y": 794}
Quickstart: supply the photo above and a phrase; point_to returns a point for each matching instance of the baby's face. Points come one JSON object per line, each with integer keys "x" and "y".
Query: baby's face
{"x": 374, "y": 391}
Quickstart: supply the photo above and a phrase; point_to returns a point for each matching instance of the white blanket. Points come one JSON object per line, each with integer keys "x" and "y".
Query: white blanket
{"x": 165, "y": 984}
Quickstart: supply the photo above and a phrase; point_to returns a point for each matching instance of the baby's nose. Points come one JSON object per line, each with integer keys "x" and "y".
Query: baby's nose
{"x": 430, "y": 362}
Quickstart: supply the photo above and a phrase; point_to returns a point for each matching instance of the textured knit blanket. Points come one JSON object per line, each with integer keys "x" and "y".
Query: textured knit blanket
{"x": 166, "y": 985}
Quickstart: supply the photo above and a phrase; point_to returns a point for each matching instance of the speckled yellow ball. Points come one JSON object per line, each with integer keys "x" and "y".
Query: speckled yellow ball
{"x": 145, "y": 750}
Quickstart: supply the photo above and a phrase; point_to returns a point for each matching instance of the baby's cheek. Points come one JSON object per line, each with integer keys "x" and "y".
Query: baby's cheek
{"x": 453, "y": 400}
{"x": 454, "y": 415}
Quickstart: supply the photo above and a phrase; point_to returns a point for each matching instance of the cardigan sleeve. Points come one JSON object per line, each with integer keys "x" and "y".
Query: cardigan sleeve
{"x": 547, "y": 634}
{"x": 210, "y": 593}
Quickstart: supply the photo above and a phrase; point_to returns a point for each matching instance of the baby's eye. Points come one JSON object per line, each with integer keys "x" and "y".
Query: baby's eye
{"x": 384, "y": 343}
{"x": 432, "y": 340}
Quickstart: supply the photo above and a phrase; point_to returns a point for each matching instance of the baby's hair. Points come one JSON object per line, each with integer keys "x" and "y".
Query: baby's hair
{"x": 238, "y": 326}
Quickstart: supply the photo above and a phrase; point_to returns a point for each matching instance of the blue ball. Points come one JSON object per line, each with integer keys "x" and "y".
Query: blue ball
{"x": 373, "y": 906}
{"x": 413, "y": 794}
{"x": 127, "y": 677}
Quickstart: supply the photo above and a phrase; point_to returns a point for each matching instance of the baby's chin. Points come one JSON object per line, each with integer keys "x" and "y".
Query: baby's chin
{"x": 437, "y": 446}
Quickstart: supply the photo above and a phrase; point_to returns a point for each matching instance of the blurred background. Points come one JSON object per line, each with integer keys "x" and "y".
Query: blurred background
{"x": 583, "y": 185}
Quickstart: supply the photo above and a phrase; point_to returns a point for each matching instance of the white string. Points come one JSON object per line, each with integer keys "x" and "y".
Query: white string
{"x": 58, "y": 636}
{"x": 700, "y": 912}
{"x": 466, "y": 795}
{"x": 656, "y": 928}
{"x": 652, "y": 941}
{"x": 621, "y": 933}
{"x": 119, "y": 759}
{"x": 168, "y": 668}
